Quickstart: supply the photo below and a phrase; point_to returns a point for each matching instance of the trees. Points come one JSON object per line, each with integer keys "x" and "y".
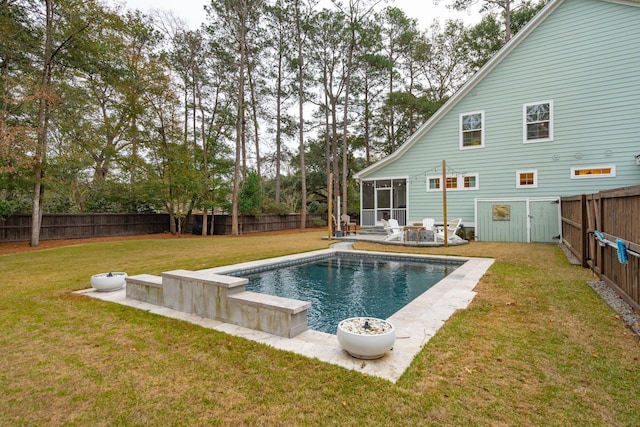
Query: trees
{"x": 108, "y": 112}
{"x": 489, "y": 35}
{"x": 18, "y": 46}
{"x": 443, "y": 60}
{"x": 63, "y": 23}
{"x": 281, "y": 53}
{"x": 356, "y": 11}
{"x": 399, "y": 38}
{"x": 233, "y": 24}
{"x": 514, "y": 13}
{"x": 301, "y": 25}
{"x": 505, "y": 6}
{"x": 250, "y": 197}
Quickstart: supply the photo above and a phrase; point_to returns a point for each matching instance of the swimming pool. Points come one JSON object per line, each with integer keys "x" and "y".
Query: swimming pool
{"x": 346, "y": 285}
{"x": 415, "y": 323}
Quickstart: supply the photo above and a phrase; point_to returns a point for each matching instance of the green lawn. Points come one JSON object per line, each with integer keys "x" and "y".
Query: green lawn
{"x": 537, "y": 346}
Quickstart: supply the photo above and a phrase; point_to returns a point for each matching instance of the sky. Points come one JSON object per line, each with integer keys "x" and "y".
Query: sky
{"x": 425, "y": 11}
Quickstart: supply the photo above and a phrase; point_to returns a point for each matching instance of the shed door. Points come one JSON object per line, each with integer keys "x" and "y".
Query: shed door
{"x": 543, "y": 219}
{"x": 502, "y": 221}
{"x": 523, "y": 220}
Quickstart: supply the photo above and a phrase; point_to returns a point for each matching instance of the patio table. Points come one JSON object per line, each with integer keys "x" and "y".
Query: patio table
{"x": 409, "y": 228}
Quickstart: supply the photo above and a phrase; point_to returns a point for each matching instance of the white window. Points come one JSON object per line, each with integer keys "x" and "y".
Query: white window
{"x": 538, "y": 121}
{"x": 527, "y": 179}
{"x": 593, "y": 172}
{"x": 454, "y": 182}
{"x": 433, "y": 184}
{"x": 472, "y": 130}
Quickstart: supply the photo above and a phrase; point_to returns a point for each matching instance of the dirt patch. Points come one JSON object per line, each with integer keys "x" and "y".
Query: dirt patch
{"x": 15, "y": 247}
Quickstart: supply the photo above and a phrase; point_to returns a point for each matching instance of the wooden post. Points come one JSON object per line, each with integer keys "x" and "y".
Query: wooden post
{"x": 444, "y": 201}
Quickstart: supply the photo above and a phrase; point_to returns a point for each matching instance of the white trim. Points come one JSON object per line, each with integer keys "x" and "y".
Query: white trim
{"x": 406, "y": 179}
{"x": 518, "y": 199}
{"x": 429, "y": 178}
{"x": 594, "y": 176}
{"x": 477, "y": 178}
{"x": 535, "y": 178}
{"x": 461, "y": 132}
{"x": 525, "y": 123}
{"x": 459, "y": 182}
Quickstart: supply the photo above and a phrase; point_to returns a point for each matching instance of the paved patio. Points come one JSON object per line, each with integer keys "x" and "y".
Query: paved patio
{"x": 379, "y": 238}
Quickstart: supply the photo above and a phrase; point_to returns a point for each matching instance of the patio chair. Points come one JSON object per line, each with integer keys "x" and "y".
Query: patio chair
{"x": 347, "y": 225}
{"x": 428, "y": 223}
{"x": 452, "y": 227}
{"x": 429, "y": 228}
{"x": 394, "y": 231}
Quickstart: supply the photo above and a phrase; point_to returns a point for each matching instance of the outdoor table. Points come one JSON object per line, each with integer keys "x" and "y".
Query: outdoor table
{"x": 417, "y": 228}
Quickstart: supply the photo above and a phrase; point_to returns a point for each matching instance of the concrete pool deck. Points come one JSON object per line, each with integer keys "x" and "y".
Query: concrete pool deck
{"x": 415, "y": 323}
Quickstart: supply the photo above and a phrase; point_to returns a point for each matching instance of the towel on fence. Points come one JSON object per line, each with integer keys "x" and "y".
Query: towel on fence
{"x": 622, "y": 252}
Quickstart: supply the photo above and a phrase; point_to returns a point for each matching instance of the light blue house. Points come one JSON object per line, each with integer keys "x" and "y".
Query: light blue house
{"x": 555, "y": 113}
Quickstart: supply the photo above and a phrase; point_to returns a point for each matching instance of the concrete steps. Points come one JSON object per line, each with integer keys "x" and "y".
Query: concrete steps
{"x": 373, "y": 231}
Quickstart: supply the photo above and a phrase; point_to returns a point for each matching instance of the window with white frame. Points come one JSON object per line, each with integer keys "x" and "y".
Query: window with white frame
{"x": 433, "y": 183}
{"x": 593, "y": 172}
{"x": 454, "y": 182}
{"x": 538, "y": 121}
{"x": 472, "y": 130}
{"x": 527, "y": 179}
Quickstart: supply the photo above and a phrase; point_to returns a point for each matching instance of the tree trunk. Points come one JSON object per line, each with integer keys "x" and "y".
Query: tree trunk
{"x": 205, "y": 156}
{"x": 134, "y": 151}
{"x": 507, "y": 20}
{"x": 345, "y": 124}
{"x": 254, "y": 113}
{"x": 327, "y": 139}
{"x": 278, "y": 125}
{"x": 239, "y": 122}
{"x": 334, "y": 151}
{"x": 41, "y": 147}
{"x": 303, "y": 173}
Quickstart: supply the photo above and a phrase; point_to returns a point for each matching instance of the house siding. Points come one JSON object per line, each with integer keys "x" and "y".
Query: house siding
{"x": 585, "y": 57}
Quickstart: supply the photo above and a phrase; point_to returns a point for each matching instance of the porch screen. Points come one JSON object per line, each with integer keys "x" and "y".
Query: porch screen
{"x": 368, "y": 196}
{"x": 399, "y": 193}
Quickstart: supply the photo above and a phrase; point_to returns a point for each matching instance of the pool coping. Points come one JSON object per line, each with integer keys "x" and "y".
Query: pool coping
{"x": 415, "y": 323}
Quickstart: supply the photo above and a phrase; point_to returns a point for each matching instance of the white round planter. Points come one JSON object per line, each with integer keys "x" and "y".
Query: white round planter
{"x": 366, "y": 337}
{"x": 106, "y": 282}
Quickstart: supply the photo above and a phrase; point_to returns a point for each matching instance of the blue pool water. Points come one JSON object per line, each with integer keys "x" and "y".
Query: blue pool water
{"x": 343, "y": 286}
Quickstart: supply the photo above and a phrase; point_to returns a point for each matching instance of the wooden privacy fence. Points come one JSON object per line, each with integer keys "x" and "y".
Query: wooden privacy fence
{"x": 251, "y": 224}
{"x": 17, "y": 228}
{"x": 593, "y": 228}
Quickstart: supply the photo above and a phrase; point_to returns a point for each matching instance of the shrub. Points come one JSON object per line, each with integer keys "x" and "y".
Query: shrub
{"x": 269, "y": 206}
{"x": 319, "y": 222}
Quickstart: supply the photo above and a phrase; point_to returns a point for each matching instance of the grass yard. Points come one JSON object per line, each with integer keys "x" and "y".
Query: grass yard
{"x": 537, "y": 346}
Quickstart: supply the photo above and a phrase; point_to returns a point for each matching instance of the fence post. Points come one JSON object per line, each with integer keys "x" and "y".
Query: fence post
{"x": 584, "y": 231}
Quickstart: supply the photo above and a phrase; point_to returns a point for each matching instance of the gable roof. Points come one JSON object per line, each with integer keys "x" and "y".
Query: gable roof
{"x": 473, "y": 81}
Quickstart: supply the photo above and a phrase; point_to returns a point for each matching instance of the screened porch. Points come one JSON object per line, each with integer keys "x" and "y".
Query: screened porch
{"x": 383, "y": 199}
